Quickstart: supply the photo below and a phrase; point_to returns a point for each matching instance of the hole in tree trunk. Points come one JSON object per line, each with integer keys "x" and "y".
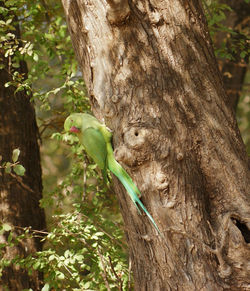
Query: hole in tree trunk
{"x": 243, "y": 229}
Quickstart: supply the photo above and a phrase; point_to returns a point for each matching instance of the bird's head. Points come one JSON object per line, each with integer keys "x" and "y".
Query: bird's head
{"x": 73, "y": 123}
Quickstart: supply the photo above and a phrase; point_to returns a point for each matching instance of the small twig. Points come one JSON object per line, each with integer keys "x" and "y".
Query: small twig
{"x": 11, "y": 165}
{"x": 50, "y": 123}
{"x": 129, "y": 273}
{"x": 84, "y": 181}
{"x": 67, "y": 269}
{"x": 104, "y": 273}
{"x": 117, "y": 277}
{"x": 19, "y": 180}
{"x": 31, "y": 230}
{"x": 47, "y": 9}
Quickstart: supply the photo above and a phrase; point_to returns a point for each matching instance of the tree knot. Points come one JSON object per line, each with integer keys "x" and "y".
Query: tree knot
{"x": 135, "y": 150}
{"x": 118, "y": 11}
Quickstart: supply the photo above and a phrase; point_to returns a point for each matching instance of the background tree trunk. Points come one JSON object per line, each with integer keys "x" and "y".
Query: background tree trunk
{"x": 152, "y": 76}
{"x": 234, "y": 71}
{"x": 19, "y": 196}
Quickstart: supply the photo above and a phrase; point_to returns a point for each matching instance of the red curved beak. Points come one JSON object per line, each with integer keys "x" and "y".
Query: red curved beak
{"x": 74, "y": 129}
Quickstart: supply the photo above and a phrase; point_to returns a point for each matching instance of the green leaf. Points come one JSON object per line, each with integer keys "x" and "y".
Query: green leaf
{"x": 11, "y": 2}
{"x": 86, "y": 285}
{"x": 67, "y": 253}
{"x": 56, "y": 91}
{"x": 8, "y": 167}
{"x": 15, "y": 155}
{"x": 15, "y": 65}
{"x": 36, "y": 265}
{"x": 35, "y": 57}
{"x": 61, "y": 276}
{"x": 19, "y": 170}
{"x": 8, "y": 21}
{"x": 10, "y": 236}
{"x": 6, "y": 227}
{"x": 51, "y": 258}
{"x": 79, "y": 258}
{"x": 45, "y": 287}
{"x": 3, "y": 10}
{"x": 6, "y": 85}
{"x": 243, "y": 54}
{"x": 99, "y": 233}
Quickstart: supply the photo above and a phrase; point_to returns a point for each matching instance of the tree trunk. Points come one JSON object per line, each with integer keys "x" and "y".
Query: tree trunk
{"x": 19, "y": 196}
{"x": 152, "y": 76}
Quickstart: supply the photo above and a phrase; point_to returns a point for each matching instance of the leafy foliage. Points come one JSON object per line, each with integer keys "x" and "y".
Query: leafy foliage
{"x": 83, "y": 248}
{"x": 14, "y": 165}
{"x": 233, "y": 44}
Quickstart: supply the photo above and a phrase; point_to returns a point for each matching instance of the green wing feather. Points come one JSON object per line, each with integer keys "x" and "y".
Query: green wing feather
{"x": 95, "y": 146}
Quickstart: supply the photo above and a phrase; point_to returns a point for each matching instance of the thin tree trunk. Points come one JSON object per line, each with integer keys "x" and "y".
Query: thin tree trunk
{"x": 19, "y": 196}
{"x": 152, "y": 76}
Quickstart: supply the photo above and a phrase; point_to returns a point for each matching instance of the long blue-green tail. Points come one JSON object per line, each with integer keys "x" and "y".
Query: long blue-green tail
{"x": 129, "y": 185}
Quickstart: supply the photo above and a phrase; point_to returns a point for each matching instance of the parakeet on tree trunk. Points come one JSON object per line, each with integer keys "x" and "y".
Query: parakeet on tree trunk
{"x": 96, "y": 139}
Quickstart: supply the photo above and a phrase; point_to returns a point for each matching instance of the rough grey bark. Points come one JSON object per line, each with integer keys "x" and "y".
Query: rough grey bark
{"x": 19, "y": 196}
{"x": 152, "y": 76}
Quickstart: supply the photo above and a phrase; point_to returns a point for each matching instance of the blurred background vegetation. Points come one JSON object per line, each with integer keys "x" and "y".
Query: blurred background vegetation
{"x": 85, "y": 247}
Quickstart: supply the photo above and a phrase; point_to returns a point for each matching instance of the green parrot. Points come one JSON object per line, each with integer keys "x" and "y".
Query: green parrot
{"x": 96, "y": 139}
